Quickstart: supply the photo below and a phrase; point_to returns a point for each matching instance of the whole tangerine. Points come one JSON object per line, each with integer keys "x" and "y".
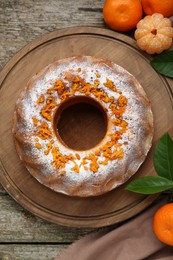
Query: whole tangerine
{"x": 163, "y": 224}
{"x": 158, "y": 6}
{"x": 122, "y": 15}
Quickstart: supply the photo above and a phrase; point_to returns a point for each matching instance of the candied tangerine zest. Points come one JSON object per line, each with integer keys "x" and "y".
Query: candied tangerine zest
{"x": 87, "y": 89}
{"x": 35, "y": 121}
{"x": 60, "y": 160}
{"x": 50, "y": 100}
{"x": 75, "y": 168}
{"x": 38, "y": 145}
{"x": 111, "y": 99}
{"x": 106, "y": 99}
{"x": 84, "y": 161}
{"x": 98, "y": 94}
{"x": 40, "y": 99}
{"x": 96, "y": 82}
{"x": 80, "y": 80}
{"x": 109, "y": 84}
{"x": 75, "y": 87}
{"x": 122, "y": 101}
{"x": 65, "y": 95}
{"x": 93, "y": 164}
{"x": 105, "y": 162}
{"x": 117, "y": 154}
{"x": 115, "y": 137}
{"x": 117, "y": 122}
{"x": 50, "y": 105}
{"x": 49, "y": 147}
{"x": 117, "y": 111}
{"x": 59, "y": 87}
{"x": 76, "y": 79}
{"x": 97, "y": 153}
{"x": 77, "y": 156}
{"x": 44, "y": 131}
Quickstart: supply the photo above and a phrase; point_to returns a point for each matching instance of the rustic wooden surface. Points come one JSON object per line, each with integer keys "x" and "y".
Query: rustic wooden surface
{"x": 101, "y": 210}
{"x": 22, "y": 235}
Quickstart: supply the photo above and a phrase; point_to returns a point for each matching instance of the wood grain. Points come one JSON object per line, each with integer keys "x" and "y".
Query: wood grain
{"x": 17, "y": 224}
{"x": 28, "y": 252}
{"x": 23, "y": 21}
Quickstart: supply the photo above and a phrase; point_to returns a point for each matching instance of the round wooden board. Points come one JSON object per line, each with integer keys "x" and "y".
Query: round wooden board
{"x": 110, "y": 208}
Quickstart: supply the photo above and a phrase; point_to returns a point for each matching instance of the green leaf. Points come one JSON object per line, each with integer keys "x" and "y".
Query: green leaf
{"x": 150, "y": 185}
{"x": 163, "y": 157}
{"x": 163, "y": 63}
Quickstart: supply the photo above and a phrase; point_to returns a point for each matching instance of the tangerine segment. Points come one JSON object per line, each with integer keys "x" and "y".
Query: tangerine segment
{"x": 122, "y": 15}
{"x": 163, "y": 224}
{"x": 157, "y": 6}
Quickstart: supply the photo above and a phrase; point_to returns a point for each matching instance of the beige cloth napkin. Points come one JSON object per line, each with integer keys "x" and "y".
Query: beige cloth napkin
{"x": 133, "y": 240}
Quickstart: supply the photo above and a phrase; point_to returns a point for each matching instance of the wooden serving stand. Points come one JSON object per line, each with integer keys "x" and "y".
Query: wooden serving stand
{"x": 114, "y": 206}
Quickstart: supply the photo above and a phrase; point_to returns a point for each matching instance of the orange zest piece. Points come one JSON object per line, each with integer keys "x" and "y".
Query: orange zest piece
{"x": 38, "y": 145}
{"x": 109, "y": 84}
{"x": 93, "y": 164}
{"x": 75, "y": 168}
{"x": 49, "y": 147}
{"x": 60, "y": 160}
{"x": 35, "y": 121}
{"x": 77, "y": 156}
{"x": 59, "y": 87}
{"x": 122, "y": 101}
{"x": 40, "y": 100}
{"x": 46, "y": 111}
{"x": 44, "y": 131}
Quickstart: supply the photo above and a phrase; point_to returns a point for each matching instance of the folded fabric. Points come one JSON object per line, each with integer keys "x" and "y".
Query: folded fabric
{"x": 133, "y": 240}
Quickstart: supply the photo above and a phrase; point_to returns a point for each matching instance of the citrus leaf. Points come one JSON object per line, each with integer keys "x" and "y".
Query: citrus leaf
{"x": 150, "y": 185}
{"x": 163, "y": 157}
{"x": 163, "y": 63}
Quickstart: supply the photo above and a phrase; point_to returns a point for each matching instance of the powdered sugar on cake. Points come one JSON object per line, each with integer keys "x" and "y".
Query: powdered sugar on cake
{"x": 107, "y": 83}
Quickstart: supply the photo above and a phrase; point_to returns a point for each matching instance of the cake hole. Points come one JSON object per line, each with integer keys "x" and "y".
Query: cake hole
{"x": 80, "y": 123}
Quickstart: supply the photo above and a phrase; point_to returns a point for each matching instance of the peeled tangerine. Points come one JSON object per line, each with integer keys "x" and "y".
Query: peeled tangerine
{"x": 154, "y": 33}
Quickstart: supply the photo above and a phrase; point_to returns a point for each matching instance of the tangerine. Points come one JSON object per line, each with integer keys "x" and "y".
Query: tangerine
{"x": 122, "y": 15}
{"x": 163, "y": 224}
{"x": 154, "y": 33}
{"x": 158, "y": 6}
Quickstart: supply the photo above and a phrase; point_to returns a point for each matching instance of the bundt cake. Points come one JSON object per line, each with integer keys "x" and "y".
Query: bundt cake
{"x": 128, "y": 118}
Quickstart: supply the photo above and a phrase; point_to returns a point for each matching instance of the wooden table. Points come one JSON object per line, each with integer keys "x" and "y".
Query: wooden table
{"x": 23, "y": 235}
